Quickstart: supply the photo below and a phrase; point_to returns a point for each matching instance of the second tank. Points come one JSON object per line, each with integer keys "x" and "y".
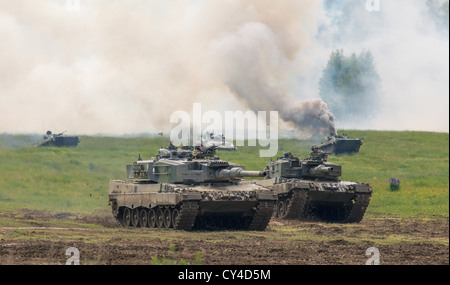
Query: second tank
{"x": 310, "y": 188}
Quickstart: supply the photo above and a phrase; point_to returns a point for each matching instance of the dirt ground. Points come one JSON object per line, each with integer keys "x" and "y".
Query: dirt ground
{"x": 34, "y": 237}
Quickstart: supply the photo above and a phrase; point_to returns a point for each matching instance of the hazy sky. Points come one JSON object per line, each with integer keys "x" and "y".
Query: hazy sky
{"x": 115, "y": 67}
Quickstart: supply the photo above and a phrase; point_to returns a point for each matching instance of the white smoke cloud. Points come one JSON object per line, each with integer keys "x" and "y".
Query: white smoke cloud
{"x": 254, "y": 65}
{"x": 125, "y": 66}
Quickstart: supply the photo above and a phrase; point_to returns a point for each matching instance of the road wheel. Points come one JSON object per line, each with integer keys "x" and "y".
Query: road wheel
{"x": 143, "y": 218}
{"x": 281, "y": 209}
{"x": 135, "y": 217}
{"x": 151, "y": 218}
{"x": 160, "y": 218}
{"x": 167, "y": 218}
{"x": 126, "y": 217}
{"x": 175, "y": 215}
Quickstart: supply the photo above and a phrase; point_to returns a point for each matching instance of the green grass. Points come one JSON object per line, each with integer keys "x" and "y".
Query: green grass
{"x": 67, "y": 179}
{"x": 419, "y": 159}
{"x": 76, "y": 180}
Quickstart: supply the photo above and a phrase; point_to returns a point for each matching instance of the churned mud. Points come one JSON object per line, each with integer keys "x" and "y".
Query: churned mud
{"x": 34, "y": 237}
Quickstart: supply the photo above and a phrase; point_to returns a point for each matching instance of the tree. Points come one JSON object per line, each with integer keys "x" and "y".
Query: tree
{"x": 350, "y": 86}
{"x": 439, "y": 12}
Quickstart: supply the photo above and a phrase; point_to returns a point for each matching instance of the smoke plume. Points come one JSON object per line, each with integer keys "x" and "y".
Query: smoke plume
{"x": 255, "y": 64}
{"x": 124, "y": 66}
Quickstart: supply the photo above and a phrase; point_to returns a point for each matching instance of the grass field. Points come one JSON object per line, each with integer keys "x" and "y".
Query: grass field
{"x": 52, "y": 199}
{"x": 75, "y": 180}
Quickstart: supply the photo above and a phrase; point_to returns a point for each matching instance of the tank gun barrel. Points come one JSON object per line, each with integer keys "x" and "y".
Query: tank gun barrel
{"x": 248, "y": 173}
{"x": 321, "y": 169}
{"x": 237, "y": 172}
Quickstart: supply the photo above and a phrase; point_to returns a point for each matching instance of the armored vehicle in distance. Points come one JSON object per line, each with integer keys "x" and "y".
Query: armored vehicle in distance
{"x": 340, "y": 144}
{"x": 191, "y": 193}
{"x": 59, "y": 140}
{"x": 216, "y": 141}
{"x": 311, "y": 189}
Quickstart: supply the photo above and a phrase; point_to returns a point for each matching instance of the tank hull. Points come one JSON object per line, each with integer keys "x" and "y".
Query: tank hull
{"x": 61, "y": 142}
{"x": 323, "y": 200}
{"x": 339, "y": 146}
{"x": 186, "y": 207}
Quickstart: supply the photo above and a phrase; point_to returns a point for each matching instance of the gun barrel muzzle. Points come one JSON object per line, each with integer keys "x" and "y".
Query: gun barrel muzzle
{"x": 247, "y": 173}
{"x": 321, "y": 169}
{"x": 237, "y": 172}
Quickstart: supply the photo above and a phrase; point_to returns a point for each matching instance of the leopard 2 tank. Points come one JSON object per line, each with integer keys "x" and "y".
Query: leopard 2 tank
{"x": 310, "y": 189}
{"x": 195, "y": 192}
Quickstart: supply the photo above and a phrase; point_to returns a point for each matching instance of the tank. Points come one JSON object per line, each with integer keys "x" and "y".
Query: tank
{"x": 190, "y": 193}
{"x": 218, "y": 141}
{"x": 340, "y": 144}
{"x": 59, "y": 140}
{"x": 310, "y": 189}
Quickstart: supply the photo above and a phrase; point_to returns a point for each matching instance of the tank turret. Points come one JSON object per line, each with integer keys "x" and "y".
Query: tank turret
{"x": 172, "y": 151}
{"x": 292, "y": 167}
{"x": 176, "y": 170}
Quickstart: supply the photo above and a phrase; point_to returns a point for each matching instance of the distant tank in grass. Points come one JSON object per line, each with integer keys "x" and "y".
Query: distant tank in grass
{"x": 340, "y": 144}
{"x": 59, "y": 140}
{"x": 216, "y": 141}
{"x": 195, "y": 192}
{"x": 310, "y": 188}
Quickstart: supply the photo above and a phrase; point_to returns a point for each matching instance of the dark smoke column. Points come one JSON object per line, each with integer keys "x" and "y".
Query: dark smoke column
{"x": 312, "y": 116}
{"x": 254, "y": 65}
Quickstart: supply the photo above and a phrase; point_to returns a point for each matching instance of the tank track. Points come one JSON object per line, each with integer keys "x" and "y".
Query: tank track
{"x": 262, "y": 216}
{"x": 358, "y": 209}
{"x": 187, "y": 214}
{"x": 186, "y": 218}
{"x": 296, "y": 207}
{"x": 294, "y": 204}
{"x": 299, "y": 207}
